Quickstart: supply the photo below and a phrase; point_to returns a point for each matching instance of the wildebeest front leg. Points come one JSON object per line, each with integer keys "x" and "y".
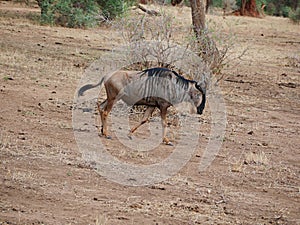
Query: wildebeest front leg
{"x": 163, "y": 114}
{"x": 104, "y": 109}
{"x": 145, "y": 118}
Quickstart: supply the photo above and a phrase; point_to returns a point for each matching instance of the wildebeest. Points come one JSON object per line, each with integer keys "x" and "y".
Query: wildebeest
{"x": 155, "y": 88}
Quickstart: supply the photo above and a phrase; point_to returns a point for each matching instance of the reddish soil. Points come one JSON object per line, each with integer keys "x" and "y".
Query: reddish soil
{"x": 43, "y": 179}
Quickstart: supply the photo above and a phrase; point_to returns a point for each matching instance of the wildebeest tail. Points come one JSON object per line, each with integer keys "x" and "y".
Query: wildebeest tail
{"x": 89, "y": 86}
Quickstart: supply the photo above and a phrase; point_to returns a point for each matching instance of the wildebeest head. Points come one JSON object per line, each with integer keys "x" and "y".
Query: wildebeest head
{"x": 198, "y": 96}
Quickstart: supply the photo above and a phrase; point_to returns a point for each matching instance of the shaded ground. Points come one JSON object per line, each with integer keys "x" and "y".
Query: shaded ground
{"x": 253, "y": 180}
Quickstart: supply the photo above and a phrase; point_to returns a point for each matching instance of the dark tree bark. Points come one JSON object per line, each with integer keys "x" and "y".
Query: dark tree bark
{"x": 40, "y": 4}
{"x": 145, "y": 1}
{"x": 198, "y": 16}
{"x": 150, "y": 12}
{"x": 208, "y": 3}
{"x": 204, "y": 45}
{"x": 176, "y": 2}
{"x": 248, "y": 8}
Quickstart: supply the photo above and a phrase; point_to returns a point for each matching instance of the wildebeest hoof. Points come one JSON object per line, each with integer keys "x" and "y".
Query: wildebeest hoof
{"x": 167, "y": 142}
{"x": 170, "y": 143}
{"x": 105, "y": 136}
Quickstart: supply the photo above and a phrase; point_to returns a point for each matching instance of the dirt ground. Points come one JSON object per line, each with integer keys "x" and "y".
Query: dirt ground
{"x": 253, "y": 180}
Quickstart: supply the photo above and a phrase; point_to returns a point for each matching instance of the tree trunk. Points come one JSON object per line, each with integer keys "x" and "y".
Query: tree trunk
{"x": 145, "y": 1}
{"x": 248, "y": 8}
{"x": 204, "y": 46}
{"x": 198, "y": 16}
{"x": 176, "y": 2}
{"x": 208, "y": 4}
{"x": 40, "y": 4}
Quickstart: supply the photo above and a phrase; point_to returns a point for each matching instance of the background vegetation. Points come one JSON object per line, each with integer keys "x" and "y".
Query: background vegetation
{"x": 283, "y": 8}
{"x": 82, "y": 13}
{"x": 69, "y": 13}
{"x": 88, "y": 13}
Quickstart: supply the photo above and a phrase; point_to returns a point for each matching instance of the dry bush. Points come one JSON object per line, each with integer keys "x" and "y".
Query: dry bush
{"x": 151, "y": 44}
{"x": 101, "y": 220}
{"x": 214, "y": 47}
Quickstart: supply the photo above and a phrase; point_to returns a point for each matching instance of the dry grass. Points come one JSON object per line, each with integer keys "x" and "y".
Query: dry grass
{"x": 249, "y": 158}
{"x": 237, "y": 167}
{"x": 43, "y": 173}
{"x": 101, "y": 220}
{"x": 258, "y": 158}
{"x": 293, "y": 61}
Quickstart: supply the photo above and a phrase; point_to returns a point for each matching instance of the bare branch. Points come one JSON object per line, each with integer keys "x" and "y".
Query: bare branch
{"x": 150, "y": 12}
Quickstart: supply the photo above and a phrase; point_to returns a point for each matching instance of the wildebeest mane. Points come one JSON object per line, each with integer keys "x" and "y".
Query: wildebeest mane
{"x": 166, "y": 73}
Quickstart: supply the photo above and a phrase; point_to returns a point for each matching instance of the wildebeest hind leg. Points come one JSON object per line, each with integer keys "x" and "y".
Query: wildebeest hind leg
{"x": 104, "y": 109}
{"x": 145, "y": 118}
